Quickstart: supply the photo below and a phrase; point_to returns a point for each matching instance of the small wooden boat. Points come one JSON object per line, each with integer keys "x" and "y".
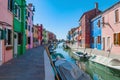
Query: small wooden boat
{"x": 70, "y": 71}
{"x": 82, "y": 55}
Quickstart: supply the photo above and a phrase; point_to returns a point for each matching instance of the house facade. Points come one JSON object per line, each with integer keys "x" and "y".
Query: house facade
{"x": 44, "y": 36}
{"x": 111, "y": 29}
{"x": 6, "y": 30}
{"x": 96, "y": 33}
{"x": 79, "y": 37}
{"x": 35, "y": 36}
{"x": 85, "y": 25}
{"x": 29, "y": 26}
{"x": 40, "y": 30}
{"x": 19, "y": 27}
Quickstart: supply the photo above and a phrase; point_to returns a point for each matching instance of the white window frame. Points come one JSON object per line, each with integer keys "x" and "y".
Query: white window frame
{"x": 11, "y": 36}
{"x": 17, "y": 14}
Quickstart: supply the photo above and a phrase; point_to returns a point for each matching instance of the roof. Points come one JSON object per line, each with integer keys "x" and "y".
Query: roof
{"x": 96, "y": 17}
{"x": 86, "y": 13}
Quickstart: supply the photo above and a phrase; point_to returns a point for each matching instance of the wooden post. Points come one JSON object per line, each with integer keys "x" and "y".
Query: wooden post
{"x": 52, "y": 63}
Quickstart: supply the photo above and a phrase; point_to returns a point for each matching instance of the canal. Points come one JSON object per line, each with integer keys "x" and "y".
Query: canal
{"x": 95, "y": 70}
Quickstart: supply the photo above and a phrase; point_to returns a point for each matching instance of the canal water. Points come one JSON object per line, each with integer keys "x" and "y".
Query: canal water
{"x": 95, "y": 70}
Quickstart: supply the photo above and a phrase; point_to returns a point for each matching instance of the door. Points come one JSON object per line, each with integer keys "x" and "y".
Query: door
{"x": 103, "y": 43}
{"x": 15, "y": 44}
{"x": 0, "y": 45}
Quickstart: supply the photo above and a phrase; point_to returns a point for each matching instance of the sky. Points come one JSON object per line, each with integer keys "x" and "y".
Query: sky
{"x": 59, "y": 16}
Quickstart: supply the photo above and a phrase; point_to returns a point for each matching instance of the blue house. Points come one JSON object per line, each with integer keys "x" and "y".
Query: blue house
{"x": 96, "y": 32}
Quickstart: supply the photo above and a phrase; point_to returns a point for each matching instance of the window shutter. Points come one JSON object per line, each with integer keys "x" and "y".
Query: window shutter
{"x": 12, "y": 5}
{"x": 119, "y": 38}
{"x": 114, "y": 37}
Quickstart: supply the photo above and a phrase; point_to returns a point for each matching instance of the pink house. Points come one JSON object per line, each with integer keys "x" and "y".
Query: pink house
{"x": 111, "y": 29}
{"x": 6, "y": 30}
{"x": 29, "y": 26}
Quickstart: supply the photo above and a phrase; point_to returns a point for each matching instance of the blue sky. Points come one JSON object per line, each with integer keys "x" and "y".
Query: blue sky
{"x": 59, "y": 16}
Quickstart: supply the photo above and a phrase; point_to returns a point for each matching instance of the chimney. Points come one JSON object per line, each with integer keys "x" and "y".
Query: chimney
{"x": 30, "y": 4}
{"x": 96, "y": 5}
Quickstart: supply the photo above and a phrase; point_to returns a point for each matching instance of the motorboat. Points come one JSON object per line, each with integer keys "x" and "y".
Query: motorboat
{"x": 106, "y": 61}
{"x": 70, "y": 71}
{"x": 82, "y": 55}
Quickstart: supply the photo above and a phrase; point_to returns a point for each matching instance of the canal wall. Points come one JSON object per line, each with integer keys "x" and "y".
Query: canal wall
{"x": 49, "y": 74}
{"x": 93, "y": 51}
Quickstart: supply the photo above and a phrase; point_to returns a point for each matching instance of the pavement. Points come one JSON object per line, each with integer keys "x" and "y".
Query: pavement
{"x": 30, "y": 66}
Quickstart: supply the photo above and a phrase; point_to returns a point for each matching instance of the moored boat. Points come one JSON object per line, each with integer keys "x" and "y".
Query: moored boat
{"x": 106, "y": 61}
{"x": 82, "y": 55}
{"x": 70, "y": 71}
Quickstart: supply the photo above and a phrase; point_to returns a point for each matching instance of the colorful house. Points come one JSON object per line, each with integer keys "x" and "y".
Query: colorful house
{"x": 96, "y": 31}
{"x": 79, "y": 36}
{"x": 6, "y": 30}
{"x": 111, "y": 29}
{"x": 44, "y": 37}
{"x": 85, "y": 25}
{"x": 29, "y": 26}
{"x": 35, "y": 36}
{"x": 19, "y": 27}
{"x": 40, "y": 30}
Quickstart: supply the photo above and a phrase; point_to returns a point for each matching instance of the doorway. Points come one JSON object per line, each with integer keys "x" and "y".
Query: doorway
{"x": 15, "y": 44}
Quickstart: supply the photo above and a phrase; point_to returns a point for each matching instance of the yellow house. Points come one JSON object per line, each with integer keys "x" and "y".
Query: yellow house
{"x": 35, "y": 36}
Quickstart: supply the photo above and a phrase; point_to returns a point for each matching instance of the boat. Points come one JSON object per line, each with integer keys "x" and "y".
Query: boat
{"x": 70, "y": 71}
{"x": 106, "y": 61}
{"x": 82, "y": 55}
{"x": 65, "y": 46}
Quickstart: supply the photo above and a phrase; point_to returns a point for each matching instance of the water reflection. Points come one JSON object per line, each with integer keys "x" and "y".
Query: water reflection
{"x": 96, "y": 71}
{"x": 59, "y": 49}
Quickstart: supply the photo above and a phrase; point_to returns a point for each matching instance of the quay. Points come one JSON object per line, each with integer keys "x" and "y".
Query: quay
{"x": 33, "y": 65}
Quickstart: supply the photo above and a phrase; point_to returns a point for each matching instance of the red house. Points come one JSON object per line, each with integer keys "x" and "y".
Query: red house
{"x": 40, "y": 28}
{"x": 85, "y": 25}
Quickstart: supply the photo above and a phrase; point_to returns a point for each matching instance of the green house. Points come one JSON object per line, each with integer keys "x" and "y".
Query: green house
{"x": 19, "y": 40}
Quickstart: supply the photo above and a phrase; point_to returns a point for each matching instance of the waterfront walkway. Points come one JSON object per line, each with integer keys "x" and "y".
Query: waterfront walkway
{"x": 30, "y": 66}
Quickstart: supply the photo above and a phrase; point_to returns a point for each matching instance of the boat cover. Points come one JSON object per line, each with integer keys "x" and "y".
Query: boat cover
{"x": 70, "y": 71}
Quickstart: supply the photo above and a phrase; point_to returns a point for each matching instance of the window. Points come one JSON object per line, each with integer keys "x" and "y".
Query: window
{"x": 29, "y": 27}
{"x": 8, "y": 40}
{"x": 19, "y": 38}
{"x": 32, "y": 29}
{"x": 117, "y": 38}
{"x": 99, "y": 39}
{"x": 28, "y": 14}
{"x": 28, "y": 40}
{"x": 108, "y": 41}
{"x": 10, "y": 5}
{"x": 103, "y": 21}
{"x": 92, "y": 39}
{"x": 98, "y": 23}
{"x": 17, "y": 11}
{"x": 116, "y": 16}
{"x": 26, "y": 25}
